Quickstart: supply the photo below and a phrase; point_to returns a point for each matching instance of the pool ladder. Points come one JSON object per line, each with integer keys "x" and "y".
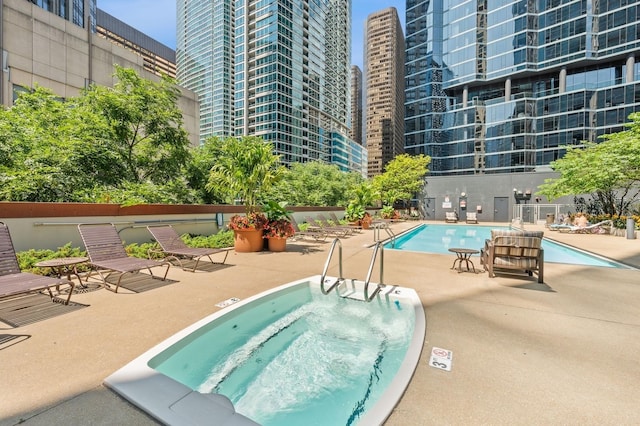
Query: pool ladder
{"x": 377, "y": 226}
{"x": 368, "y": 298}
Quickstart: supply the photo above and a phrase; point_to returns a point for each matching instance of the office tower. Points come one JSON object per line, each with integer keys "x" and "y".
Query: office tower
{"x": 384, "y": 71}
{"x": 205, "y": 61}
{"x": 356, "y": 104}
{"x": 157, "y": 58}
{"x": 507, "y": 89}
{"x": 284, "y": 67}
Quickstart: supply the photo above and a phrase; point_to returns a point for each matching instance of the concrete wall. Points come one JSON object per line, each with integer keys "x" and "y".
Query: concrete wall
{"x": 41, "y": 47}
{"x": 482, "y": 190}
{"x": 51, "y": 225}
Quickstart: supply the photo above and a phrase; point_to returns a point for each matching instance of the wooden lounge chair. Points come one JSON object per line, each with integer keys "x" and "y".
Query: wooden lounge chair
{"x": 14, "y": 282}
{"x": 472, "y": 217}
{"x": 330, "y": 223}
{"x": 107, "y": 255}
{"x": 514, "y": 250}
{"x": 451, "y": 217}
{"x": 175, "y": 249}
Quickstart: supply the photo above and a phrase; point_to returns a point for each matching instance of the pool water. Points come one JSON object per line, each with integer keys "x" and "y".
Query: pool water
{"x": 439, "y": 238}
{"x": 297, "y": 357}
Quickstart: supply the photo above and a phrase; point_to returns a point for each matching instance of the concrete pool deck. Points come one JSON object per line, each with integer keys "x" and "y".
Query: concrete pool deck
{"x": 562, "y": 352}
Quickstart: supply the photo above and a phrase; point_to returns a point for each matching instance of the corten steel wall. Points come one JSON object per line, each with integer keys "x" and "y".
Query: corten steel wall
{"x": 52, "y": 225}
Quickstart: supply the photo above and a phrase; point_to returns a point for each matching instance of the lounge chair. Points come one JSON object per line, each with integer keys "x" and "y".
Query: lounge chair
{"x": 330, "y": 223}
{"x": 331, "y": 230}
{"x": 589, "y": 229}
{"x": 315, "y": 232}
{"x": 107, "y": 255}
{"x": 472, "y": 217}
{"x": 514, "y": 250}
{"x": 14, "y": 282}
{"x": 334, "y": 219}
{"x": 451, "y": 217}
{"x": 175, "y": 249}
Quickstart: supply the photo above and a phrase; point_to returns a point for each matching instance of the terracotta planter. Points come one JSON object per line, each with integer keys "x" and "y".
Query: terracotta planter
{"x": 277, "y": 244}
{"x": 247, "y": 240}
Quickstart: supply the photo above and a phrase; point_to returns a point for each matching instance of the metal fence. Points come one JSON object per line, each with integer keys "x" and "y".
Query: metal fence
{"x": 542, "y": 213}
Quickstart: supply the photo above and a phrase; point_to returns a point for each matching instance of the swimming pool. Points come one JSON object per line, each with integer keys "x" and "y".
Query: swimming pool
{"x": 288, "y": 356}
{"x": 439, "y": 238}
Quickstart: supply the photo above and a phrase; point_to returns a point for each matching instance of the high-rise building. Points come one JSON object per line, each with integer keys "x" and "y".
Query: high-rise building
{"x": 205, "y": 61}
{"x": 280, "y": 69}
{"x": 506, "y": 89}
{"x": 384, "y": 73}
{"x": 356, "y": 104}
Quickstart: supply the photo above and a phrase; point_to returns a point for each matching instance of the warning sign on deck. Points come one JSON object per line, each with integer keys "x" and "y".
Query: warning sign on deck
{"x": 441, "y": 358}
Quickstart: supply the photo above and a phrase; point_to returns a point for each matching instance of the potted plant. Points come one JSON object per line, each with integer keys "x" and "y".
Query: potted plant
{"x": 278, "y": 227}
{"x": 244, "y": 168}
{"x": 356, "y": 210}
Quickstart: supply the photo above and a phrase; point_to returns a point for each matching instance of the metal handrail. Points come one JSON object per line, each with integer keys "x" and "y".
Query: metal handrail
{"x": 390, "y": 234}
{"x": 380, "y": 285}
{"x": 326, "y": 267}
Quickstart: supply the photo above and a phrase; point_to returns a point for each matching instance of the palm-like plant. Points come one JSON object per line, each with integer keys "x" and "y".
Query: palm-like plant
{"x": 245, "y": 167}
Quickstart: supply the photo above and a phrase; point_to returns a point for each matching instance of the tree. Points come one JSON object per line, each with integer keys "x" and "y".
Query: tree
{"x": 315, "y": 184}
{"x": 48, "y": 149}
{"x": 609, "y": 171}
{"x": 104, "y": 145}
{"x": 402, "y": 178}
{"x": 144, "y": 124}
{"x": 244, "y": 169}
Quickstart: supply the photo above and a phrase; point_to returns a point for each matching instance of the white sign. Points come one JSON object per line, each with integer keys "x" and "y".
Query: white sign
{"x": 446, "y": 205}
{"x": 441, "y": 358}
{"x": 227, "y": 302}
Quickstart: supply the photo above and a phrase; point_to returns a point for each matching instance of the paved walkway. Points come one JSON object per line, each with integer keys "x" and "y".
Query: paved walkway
{"x": 563, "y": 352}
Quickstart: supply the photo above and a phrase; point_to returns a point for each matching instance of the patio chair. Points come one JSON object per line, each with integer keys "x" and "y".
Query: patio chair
{"x": 589, "y": 229}
{"x": 331, "y": 230}
{"x": 314, "y": 232}
{"x": 334, "y": 219}
{"x": 107, "y": 255}
{"x": 330, "y": 223}
{"x": 472, "y": 217}
{"x": 14, "y": 282}
{"x": 451, "y": 217}
{"x": 175, "y": 249}
{"x": 514, "y": 250}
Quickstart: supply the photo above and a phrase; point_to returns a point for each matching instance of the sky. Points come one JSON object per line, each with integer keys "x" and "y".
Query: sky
{"x": 157, "y": 19}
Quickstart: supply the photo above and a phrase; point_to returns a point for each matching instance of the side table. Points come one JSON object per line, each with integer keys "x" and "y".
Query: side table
{"x": 64, "y": 266}
{"x": 463, "y": 255}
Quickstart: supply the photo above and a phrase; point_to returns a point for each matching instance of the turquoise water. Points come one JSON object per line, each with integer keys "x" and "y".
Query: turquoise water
{"x": 296, "y": 357}
{"x": 439, "y": 238}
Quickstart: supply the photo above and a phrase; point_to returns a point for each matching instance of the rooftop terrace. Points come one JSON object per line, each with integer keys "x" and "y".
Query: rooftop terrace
{"x": 563, "y": 352}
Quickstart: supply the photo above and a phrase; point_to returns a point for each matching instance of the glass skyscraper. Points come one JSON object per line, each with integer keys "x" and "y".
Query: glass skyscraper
{"x": 496, "y": 86}
{"x": 284, "y": 65}
{"x": 205, "y": 60}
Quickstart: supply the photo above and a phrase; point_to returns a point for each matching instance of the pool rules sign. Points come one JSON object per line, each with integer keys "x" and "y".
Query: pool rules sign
{"x": 441, "y": 358}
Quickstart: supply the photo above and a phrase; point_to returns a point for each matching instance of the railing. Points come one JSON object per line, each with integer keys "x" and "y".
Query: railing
{"x": 380, "y": 285}
{"x": 377, "y": 226}
{"x": 368, "y": 298}
{"x": 535, "y": 212}
{"x": 326, "y": 267}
